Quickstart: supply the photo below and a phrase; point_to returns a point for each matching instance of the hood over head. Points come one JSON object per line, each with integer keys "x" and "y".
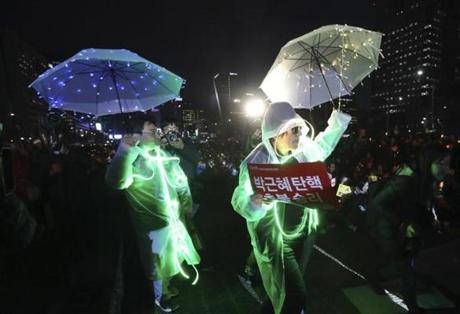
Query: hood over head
{"x": 279, "y": 118}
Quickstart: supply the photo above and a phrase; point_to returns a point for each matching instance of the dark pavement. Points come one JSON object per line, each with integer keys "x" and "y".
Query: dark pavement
{"x": 96, "y": 269}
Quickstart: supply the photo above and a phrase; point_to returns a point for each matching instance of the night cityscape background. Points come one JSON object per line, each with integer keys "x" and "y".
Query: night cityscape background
{"x": 243, "y": 38}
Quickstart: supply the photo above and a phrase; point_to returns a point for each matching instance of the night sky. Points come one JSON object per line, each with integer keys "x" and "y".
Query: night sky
{"x": 194, "y": 41}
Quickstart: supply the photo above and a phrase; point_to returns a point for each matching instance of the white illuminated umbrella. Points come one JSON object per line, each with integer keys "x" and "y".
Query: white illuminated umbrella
{"x": 322, "y": 65}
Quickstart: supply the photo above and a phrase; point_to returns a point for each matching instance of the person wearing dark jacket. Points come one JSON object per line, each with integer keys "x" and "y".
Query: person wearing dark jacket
{"x": 391, "y": 221}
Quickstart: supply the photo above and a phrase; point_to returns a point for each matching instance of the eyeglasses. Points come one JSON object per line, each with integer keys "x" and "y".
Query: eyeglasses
{"x": 152, "y": 132}
{"x": 295, "y": 130}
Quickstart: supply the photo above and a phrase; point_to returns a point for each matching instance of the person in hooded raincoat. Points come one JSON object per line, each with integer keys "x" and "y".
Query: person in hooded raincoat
{"x": 158, "y": 194}
{"x": 276, "y": 228}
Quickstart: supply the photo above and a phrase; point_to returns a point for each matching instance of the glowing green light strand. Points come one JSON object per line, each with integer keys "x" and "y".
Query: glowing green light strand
{"x": 313, "y": 219}
{"x": 180, "y": 179}
{"x": 151, "y": 159}
{"x": 140, "y": 177}
{"x": 310, "y": 214}
{"x": 176, "y": 225}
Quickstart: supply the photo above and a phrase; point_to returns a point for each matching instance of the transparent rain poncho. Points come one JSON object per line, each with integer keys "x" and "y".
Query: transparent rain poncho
{"x": 159, "y": 195}
{"x": 265, "y": 222}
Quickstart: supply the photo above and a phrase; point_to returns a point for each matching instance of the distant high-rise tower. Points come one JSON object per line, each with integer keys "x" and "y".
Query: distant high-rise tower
{"x": 417, "y": 77}
{"x": 20, "y": 64}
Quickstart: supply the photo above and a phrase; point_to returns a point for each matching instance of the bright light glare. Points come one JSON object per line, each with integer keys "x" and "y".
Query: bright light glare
{"x": 98, "y": 126}
{"x": 254, "y": 108}
{"x": 420, "y": 72}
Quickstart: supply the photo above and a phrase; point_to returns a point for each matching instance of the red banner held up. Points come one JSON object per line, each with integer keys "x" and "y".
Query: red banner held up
{"x": 294, "y": 183}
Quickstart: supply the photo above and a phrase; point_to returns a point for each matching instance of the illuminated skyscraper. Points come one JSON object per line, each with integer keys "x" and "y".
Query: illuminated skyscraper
{"x": 419, "y": 74}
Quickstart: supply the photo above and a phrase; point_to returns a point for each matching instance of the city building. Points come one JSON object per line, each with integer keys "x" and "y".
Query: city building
{"x": 21, "y": 110}
{"x": 192, "y": 117}
{"x": 417, "y": 82}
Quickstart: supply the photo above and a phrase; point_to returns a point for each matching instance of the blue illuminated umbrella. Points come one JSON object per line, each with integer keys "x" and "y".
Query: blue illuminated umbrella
{"x": 107, "y": 81}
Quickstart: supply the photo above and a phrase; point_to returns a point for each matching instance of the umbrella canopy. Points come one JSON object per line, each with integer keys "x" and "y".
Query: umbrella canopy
{"x": 322, "y": 65}
{"x": 107, "y": 81}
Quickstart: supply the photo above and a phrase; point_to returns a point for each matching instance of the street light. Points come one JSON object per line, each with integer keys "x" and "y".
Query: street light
{"x": 229, "y": 85}
{"x": 254, "y": 108}
{"x": 216, "y": 92}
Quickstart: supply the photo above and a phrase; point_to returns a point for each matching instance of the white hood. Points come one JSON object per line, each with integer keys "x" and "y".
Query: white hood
{"x": 279, "y": 118}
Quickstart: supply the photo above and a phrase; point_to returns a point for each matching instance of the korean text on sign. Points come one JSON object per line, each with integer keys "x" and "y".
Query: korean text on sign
{"x": 279, "y": 184}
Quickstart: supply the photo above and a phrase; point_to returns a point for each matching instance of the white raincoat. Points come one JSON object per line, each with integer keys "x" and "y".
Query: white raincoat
{"x": 266, "y": 236}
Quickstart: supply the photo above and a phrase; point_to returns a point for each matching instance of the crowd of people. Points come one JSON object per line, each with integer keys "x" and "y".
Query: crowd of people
{"x": 362, "y": 161}
{"x": 59, "y": 187}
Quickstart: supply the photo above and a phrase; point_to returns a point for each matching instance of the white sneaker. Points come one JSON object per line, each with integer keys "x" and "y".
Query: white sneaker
{"x": 166, "y": 306}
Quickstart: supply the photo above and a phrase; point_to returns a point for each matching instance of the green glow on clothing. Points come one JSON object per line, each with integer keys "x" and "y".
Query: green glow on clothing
{"x": 248, "y": 187}
{"x": 313, "y": 219}
{"x": 138, "y": 176}
{"x": 180, "y": 248}
{"x": 266, "y": 228}
{"x": 309, "y": 214}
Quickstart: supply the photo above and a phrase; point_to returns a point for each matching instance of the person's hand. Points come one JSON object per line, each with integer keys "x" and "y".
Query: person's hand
{"x": 345, "y": 197}
{"x": 130, "y": 140}
{"x": 258, "y": 200}
{"x": 178, "y": 144}
{"x": 149, "y": 140}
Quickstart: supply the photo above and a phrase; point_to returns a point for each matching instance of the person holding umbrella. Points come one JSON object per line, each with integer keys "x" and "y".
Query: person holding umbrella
{"x": 158, "y": 194}
{"x": 276, "y": 245}
{"x": 102, "y": 82}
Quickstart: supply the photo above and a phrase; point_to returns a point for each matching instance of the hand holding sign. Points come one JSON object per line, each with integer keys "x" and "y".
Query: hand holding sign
{"x": 258, "y": 200}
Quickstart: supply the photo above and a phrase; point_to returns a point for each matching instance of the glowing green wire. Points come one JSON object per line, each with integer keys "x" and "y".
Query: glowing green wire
{"x": 140, "y": 177}
{"x": 177, "y": 226}
{"x": 313, "y": 219}
{"x": 310, "y": 214}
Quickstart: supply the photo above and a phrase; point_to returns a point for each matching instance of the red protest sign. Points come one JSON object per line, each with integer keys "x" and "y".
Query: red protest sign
{"x": 293, "y": 183}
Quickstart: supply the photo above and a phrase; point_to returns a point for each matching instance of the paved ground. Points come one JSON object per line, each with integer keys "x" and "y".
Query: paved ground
{"x": 99, "y": 272}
